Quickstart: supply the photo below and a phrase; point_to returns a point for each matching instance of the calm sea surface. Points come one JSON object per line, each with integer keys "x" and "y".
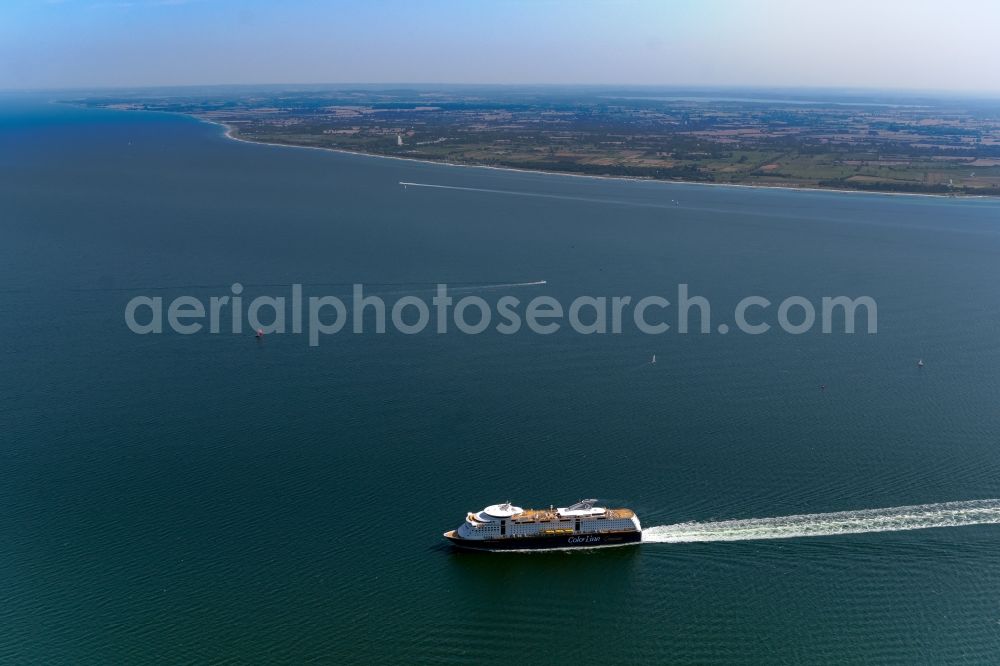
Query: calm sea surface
{"x": 212, "y": 498}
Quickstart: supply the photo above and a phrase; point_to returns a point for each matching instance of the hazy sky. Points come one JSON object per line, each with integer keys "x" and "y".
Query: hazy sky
{"x": 951, "y": 45}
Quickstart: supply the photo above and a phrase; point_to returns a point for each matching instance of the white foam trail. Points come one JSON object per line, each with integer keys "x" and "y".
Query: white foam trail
{"x": 893, "y": 519}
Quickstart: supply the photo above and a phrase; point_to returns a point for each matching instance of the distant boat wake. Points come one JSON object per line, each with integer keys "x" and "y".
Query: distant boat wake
{"x": 893, "y": 519}
{"x": 481, "y": 287}
{"x": 465, "y": 287}
{"x": 487, "y": 190}
{"x": 541, "y": 195}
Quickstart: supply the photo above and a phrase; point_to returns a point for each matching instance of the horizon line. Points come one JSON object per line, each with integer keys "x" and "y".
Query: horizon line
{"x": 990, "y": 94}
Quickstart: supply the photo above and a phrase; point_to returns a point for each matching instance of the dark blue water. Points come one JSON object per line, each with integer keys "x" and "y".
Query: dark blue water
{"x": 209, "y": 497}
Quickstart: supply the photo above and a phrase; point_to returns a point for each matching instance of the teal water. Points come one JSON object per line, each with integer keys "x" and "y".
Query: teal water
{"x": 209, "y": 498}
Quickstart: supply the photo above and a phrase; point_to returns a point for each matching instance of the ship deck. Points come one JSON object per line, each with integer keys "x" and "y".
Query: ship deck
{"x": 552, "y": 516}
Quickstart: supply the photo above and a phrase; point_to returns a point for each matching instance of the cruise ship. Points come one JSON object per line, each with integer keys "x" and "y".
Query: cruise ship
{"x": 511, "y": 528}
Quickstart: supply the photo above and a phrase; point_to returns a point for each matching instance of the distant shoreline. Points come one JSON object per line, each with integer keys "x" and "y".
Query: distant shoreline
{"x": 229, "y": 133}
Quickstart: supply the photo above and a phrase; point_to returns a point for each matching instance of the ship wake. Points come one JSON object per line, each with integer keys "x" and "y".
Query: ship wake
{"x": 892, "y": 519}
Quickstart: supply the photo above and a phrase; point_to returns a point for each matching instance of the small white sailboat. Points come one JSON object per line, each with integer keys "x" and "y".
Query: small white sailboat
{"x": 920, "y": 363}
{"x": 653, "y": 362}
